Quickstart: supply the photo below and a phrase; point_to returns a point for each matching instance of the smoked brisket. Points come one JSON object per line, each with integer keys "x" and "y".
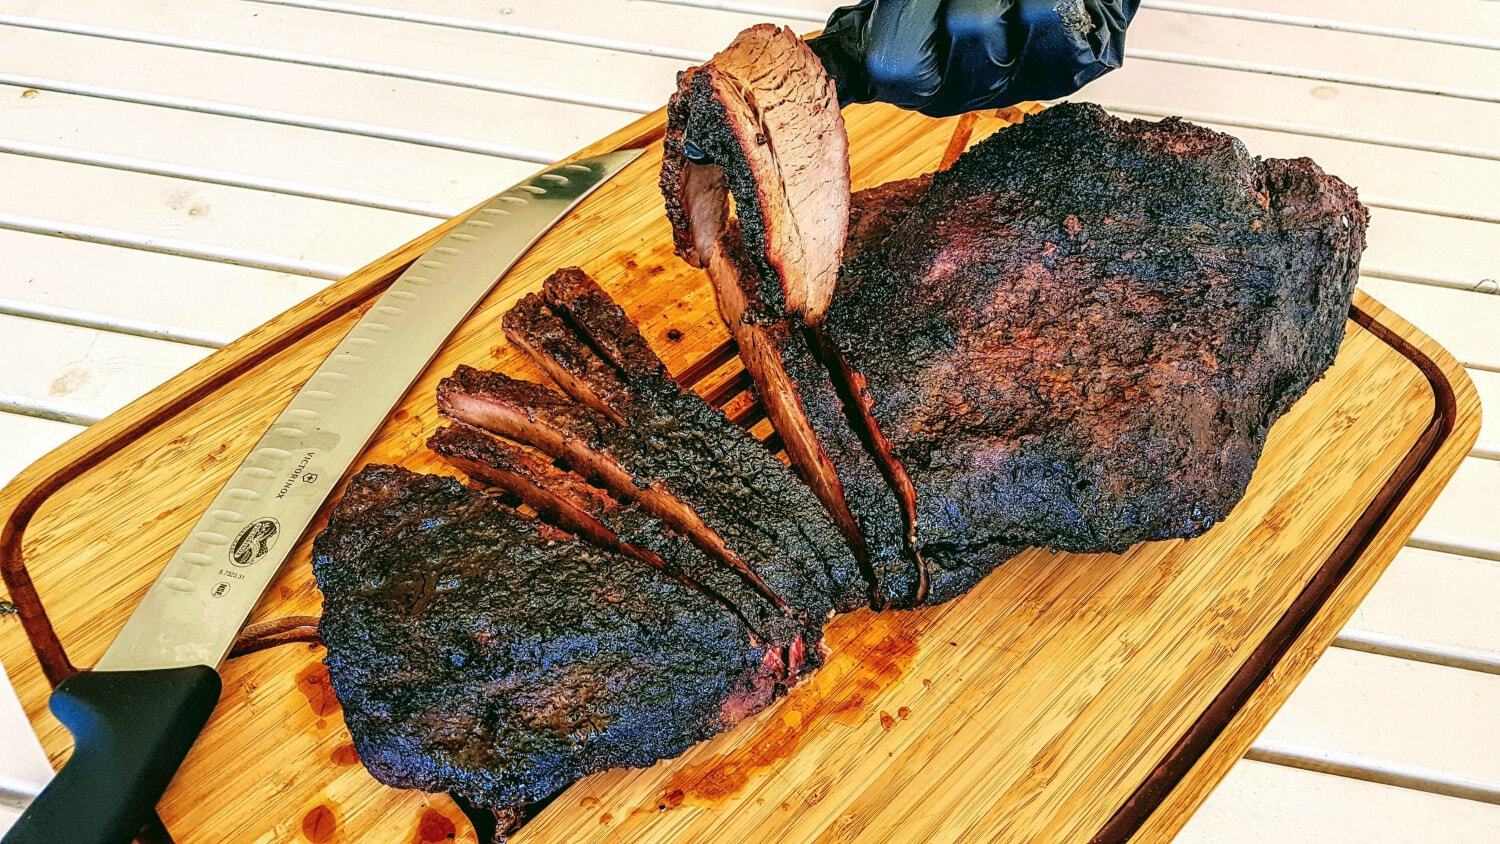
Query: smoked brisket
{"x": 1076, "y": 337}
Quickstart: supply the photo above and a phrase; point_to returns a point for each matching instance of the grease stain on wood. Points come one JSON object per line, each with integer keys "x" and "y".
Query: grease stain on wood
{"x": 314, "y": 685}
{"x": 868, "y": 654}
{"x": 434, "y": 827}
{"x": 344, "y": 755}
{"x": 319, "y": 824}
{"x": 68, "y": 383}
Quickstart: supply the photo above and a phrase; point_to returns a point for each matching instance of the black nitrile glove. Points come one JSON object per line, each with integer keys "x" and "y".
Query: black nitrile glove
{"x": 944, "y": 57}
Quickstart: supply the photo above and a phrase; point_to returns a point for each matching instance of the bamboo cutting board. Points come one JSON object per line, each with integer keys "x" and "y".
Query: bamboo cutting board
{"x": 1068, "y": 697}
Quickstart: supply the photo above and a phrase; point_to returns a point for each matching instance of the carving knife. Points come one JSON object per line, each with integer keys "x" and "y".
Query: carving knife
{"x": 137, "y": 712}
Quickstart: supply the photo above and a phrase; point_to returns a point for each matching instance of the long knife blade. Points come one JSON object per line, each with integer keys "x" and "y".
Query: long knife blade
{"x": 193, "y": 612}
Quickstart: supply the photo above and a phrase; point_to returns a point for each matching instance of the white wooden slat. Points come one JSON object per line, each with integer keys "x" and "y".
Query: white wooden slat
{"x": 1434, "y": 607}
{"x": 1414, "y": 180}
{"x": 1487, "y": 384}
{"x": 207, "y": 147}
{"x": 22, "y": 440}
{"x": 1315, "y": 53}
{"x": 239, "y": 225}
{"x": 1463, "y": 520}
{"x": 1260, "y": 802}
{"x": 570, "y": 73}
{"x": 1391, "y": 720}
{"x": 1463, "y": 321}
{"x": 80, "y": 375}
{"x": 24, "y": 768}
{"x": 1178, "y": 37}
{"x": 139, "y": 292}
{"x": 1430, "y": 248}
{"x": 1460, "y": 20}
{"x": 8, "y": 816}
{"x": 508, "y": 125}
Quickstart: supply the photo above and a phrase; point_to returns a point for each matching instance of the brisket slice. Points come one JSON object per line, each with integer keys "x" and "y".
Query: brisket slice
{"x": 477, "y": 652}
{"x": 565, "y": 499}
{"x": 767, "y": 114}
{"x": 1080, "y": 334}
{"x": 778, "y": 146}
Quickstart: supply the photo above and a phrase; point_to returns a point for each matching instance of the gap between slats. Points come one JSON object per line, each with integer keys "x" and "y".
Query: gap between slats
{"x": 494, "y": 28}
{"x": 1381, "y": 644}
{"x": 172, "y": 246}
{"x": 218, "y": 177}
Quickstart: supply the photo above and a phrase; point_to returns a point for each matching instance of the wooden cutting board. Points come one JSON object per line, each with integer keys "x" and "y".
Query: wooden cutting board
{"x": 1067, "y": 697}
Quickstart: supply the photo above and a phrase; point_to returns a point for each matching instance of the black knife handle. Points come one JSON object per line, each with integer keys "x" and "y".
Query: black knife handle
{"x": 131, "y": 730}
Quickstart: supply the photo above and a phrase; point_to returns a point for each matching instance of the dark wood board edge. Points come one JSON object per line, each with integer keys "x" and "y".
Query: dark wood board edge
{"x": 30, "y": 490}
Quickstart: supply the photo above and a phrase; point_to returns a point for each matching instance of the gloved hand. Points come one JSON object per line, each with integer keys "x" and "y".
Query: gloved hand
{"x": 944, "y": 57}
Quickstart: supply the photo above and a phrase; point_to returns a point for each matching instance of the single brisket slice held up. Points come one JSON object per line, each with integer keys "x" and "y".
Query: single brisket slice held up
{"x": 477, "y": 652}
{"x": 766, "y": 114}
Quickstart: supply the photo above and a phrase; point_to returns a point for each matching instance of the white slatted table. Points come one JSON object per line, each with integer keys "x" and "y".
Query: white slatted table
{"x": 177, "y": 171}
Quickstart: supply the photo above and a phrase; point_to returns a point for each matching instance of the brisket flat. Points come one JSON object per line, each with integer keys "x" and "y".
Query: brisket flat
{"x": 479, "y": 653}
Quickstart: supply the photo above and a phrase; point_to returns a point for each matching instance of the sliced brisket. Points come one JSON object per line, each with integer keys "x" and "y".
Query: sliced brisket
{"x": 565, "y": 499}
{"x": 777, "y": 143}
{"x": 1078, "y": 336}
{"x": 745, "y": 508}
{"x": 478, "y": 653}
{"x": 654, "y": 406}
